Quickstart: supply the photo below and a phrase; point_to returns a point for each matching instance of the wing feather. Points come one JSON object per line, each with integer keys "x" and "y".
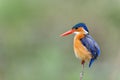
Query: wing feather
{"x": 92, "y": 47}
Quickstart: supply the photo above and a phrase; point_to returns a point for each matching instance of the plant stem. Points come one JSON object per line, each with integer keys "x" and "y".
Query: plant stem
{"x": 82, "y": 72}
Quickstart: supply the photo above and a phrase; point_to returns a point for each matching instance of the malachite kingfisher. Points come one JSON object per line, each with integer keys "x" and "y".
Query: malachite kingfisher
{"x": 85, "y": 47}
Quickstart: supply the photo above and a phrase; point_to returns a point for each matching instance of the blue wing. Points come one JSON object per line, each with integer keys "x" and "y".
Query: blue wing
{"x": 92, "y": 47}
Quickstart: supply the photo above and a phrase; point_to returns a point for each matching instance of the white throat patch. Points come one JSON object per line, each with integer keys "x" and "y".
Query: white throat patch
{"x": 77, "y": 32}
{"x": 85, "y": 32}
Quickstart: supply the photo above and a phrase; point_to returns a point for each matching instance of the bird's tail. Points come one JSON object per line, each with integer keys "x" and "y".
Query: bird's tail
{"x": 91, "y": 61}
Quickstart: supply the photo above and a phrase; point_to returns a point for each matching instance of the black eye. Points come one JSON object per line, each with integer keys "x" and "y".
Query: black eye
{"x": 76, "y": 27}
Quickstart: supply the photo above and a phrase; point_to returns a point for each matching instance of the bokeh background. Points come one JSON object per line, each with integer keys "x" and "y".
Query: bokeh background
{"x": 30, "y": 46}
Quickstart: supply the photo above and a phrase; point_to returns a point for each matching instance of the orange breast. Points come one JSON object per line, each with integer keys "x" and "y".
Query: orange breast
{"x": 81, "y": 51}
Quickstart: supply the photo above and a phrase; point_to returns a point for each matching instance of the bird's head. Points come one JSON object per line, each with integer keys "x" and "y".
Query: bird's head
{"x": 78, "y": 28}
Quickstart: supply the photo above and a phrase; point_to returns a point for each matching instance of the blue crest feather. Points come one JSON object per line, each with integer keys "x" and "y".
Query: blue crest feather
{"x": 81, "y": 25}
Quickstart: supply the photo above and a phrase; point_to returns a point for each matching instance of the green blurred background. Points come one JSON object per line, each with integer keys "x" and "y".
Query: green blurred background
{"x": 30, "y": 46}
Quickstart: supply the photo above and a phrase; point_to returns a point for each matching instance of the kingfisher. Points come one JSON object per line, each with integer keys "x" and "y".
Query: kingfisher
{"x": 85, "y": 47}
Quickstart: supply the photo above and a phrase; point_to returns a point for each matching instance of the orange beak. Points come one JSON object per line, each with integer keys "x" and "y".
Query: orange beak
{"x": 68, "y": 32}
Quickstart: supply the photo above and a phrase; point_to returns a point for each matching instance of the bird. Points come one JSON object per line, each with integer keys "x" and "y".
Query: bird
{"x": 85, "y": 47}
